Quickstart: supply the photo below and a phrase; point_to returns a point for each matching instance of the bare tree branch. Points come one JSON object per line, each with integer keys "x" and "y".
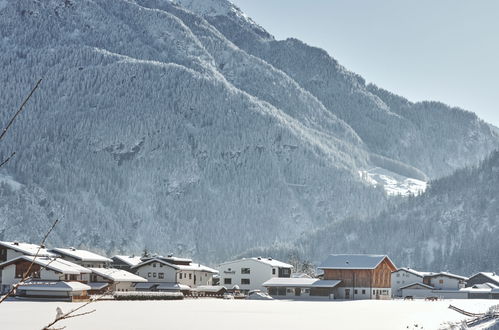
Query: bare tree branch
{"x": 11, "y": 121}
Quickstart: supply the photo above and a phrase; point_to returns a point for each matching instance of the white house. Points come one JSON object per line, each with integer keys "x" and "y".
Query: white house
{"x": 302, "y": 288}
{"x": 83, "y": 257}
{"x": 445, "y": 281}
{"x": 43, "y": 269}
{"x": 402, "y": 277}
{"x": 174, "y": 270}
{"x": 12, "y": 250}
{"x": 116, "y": 279}
{"x": 250, "y": 273}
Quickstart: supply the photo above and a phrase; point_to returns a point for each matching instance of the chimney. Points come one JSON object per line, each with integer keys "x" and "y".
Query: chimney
{"x": 15, "y": 243}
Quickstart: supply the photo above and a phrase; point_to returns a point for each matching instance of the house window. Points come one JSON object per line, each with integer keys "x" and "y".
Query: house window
{"x": 180, "y": 275}
{"x": 245, "y": 271}
{"x": 245, "y": 281}
{"x": 153, "y": 274}
{"x": 148, "y": 274}
{"x": 398, "y": 275}
{"x": 227, "y": 281}
{"x": 281, "y": 291}
{"x": 356, "y": 291}
{"x": 161, "y": 275}
{"x": 273, "y": 271}
{"x": 289, "y": 290}
{"x": 441, "y": 281}
{"x": 374, "y": 291}
{"x": 306, "y": 290}
{"x": 154, "y": 264}
{"x": 190, "y": 276}
{"x": 363, "y": 291}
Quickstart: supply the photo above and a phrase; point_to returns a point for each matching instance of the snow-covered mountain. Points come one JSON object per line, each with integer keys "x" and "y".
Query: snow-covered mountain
{"x": 454, "y": 226}
{"x": 185, "y": 127}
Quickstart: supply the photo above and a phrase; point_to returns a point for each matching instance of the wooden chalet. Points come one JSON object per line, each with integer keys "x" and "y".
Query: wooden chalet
{"x": 362, "y": 276}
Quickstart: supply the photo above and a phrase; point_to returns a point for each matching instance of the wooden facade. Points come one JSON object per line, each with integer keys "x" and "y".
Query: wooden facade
{"x": 380, "y": 277}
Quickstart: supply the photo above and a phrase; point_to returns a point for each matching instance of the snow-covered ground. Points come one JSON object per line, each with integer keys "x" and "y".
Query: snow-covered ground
{"x": 393, "y": 183}
{"x": 235, "y": 314}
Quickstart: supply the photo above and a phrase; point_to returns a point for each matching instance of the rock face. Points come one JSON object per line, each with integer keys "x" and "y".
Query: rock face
{"x": 185, "y": 127}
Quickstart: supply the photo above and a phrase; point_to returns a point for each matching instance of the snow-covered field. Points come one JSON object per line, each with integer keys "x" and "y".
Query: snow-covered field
{"x": 233, "y": 314}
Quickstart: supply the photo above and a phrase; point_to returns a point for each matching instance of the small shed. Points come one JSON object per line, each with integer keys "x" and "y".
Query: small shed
{"x": 417, "y": 290}
{"x": 211, "y": 291}
{"x": 59, "y": 290}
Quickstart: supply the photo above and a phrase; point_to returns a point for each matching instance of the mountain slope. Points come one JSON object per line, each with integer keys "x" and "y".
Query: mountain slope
{"x": 138, "y": 138}
{"x": 452, "y": 227}
{"x": 155, "y": 128}
{"x": 386, "y": 128}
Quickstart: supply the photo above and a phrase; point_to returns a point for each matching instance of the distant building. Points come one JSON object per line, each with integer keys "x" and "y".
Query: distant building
{"x": 301, "y": 288}
{"x": 482, "y": 278}
{"x": 250, "y": 273}
{"x": 125, "y": 262}
{"x": 362, "y": 276}
{"x": 173, "y": 273}
{"x": 402, "y": 277}
{"x": 114, "y": 280}
{"x": 12, "y": 250}
{"x": 83, "y": 257}
{"x": 445, "y": 281}
{"x": 43, "y": 269}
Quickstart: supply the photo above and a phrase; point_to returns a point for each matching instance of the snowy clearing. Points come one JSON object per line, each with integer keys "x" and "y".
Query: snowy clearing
{"x": 230, "y": 314}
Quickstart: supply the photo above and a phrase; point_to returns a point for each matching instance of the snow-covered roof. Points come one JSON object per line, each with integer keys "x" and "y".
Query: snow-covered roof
{"x": 446, "y": 274}
{"x": 56, "y": 264}
{"x": 413, "y": 271}
{"x": 129, "y": 260}
{"x": 54, "y": 286}
{"x": 492, "y": 276}
{"x": 82, "y": 255}
{"x": 268, "y": 261}
{"x": 210, "y": 288}
{"x": 98, "y": 285}
{"x": 117, "y": 275}
{"x": 191, "y": 267}
{"x": 426, "y": 286}
{"x": 300, "y": 282}
{"x": 354, "y": 261}
{"x": 27, "y": 248}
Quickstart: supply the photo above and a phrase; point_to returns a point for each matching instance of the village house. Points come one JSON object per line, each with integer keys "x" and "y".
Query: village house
{"x": 362, "y": 276}
{"x": 125, "y": 262}
{"x": 303, "y": 288}
{"x": 112, "y": 279}
{"x": 250, "y": 273}
{"x": 483, "y": 278}
{"x": 43, "y": 269}
{"x": 83, "y": 257}
{"x": 442, "y": 285}
{"x": 173, "y": 273}
{"x": 402, "y": 277}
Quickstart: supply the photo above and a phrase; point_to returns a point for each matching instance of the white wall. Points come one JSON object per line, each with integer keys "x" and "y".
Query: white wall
{"x": 188, "y": 276}
{"x": 9, "y": 276}
{"x": 364, "y": 293}
{"x": 418, "y": 293}
{"x": 403, "y": 278}
{"x": 448, "y": 283}
{"x": 151, "y": 272}
{"x": 259, "y": 273}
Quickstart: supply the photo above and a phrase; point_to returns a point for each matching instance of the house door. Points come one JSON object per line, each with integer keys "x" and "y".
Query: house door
{"x": 347, "y": 293}
{"x": 297, "y": 291}
{"x": 194, "y": 279}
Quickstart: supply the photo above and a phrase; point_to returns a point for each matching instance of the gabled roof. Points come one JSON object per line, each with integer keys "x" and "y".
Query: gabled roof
{"x": 82, "y": 255}
{"x": 56, "y": 264}
{"x": 117, "y": 275}
{"x": 267, "y": 261}
{"x": 492, "y": 276}
{"x": 413, "y": 271}
{"x": 129, "y": 260}
{"x": 54, "y": 286}
{"x": 27, "y": 249}
{"x": 300, "y": 282}
{"x": 446, "y": 274}
{"x": 191, "y": 267}
{"x": 418, "y": 284}
{"x": 355, "y": 261}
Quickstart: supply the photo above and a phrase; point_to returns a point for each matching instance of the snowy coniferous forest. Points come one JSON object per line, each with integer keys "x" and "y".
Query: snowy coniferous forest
{"x": 185, "y": 127}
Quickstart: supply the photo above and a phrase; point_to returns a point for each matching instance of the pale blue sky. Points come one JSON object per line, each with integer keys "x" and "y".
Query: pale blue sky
{"x": 444, "y": 50}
